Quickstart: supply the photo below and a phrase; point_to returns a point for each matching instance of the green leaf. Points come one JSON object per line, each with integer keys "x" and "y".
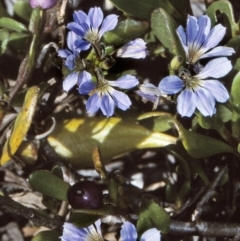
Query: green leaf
{"x": 23, "y": 10}
{"x": 19, "y": 129}
{"x": 194, "y": 164}
{"x": 144, "y": 8}
{"x": 235, "y": 92}
{"x": 4, "y": 38}
{"x": 14, "y": 40}
{"x": 225, "y": 8}
{"x": 152, "y": 216}
{"x": 49, "y": 184}
{"x": 126, "y": 30}
{"x": 234, "y": 43}
{"x": 198, "y": 145}
{"x": 83, "y": 220}
{"x": 164, "y": 27}
{"x": 235, "y": 100}
{"x": 13, "y": 25}
{"x": 49, "y": 235}
{"x": 156, "y": 121}
{"x": 75, "y": 139}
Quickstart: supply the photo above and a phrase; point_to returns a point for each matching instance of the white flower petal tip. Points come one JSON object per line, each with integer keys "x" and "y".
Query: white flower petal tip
{"x": 134, "y": 49}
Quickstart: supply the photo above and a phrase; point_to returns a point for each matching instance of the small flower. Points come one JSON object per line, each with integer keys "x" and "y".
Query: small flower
{"x": 199, "y": 39}
{"x": 199, "y": 91}
{"x": 129, "y": 233}
{"x": 91, "y": 27}
{"x": 149, "y": 92}
{"x": 134, "y": 49}
{"x": 44, "y": 4}
{"x": 74, "y": 63}
{"x": 103, "y": 96}
{"x": 73, "y": 233}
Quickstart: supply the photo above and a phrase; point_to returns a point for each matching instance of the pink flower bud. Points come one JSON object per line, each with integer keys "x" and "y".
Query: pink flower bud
{"x": 44, "y": 4}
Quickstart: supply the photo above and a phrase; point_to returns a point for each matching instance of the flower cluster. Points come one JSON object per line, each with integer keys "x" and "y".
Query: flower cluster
{"x": 198, "y": 85}
{"x": 85, "y": 32}
{"x": 93, "y": 232}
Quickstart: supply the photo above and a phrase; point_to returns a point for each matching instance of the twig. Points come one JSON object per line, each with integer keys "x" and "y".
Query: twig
{"x": 9, "y": 205}
{"x": 209, "y": 193}
{"x": 206, "y": 229}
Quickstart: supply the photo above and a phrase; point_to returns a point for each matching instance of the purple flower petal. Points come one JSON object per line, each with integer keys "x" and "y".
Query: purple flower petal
{"x": 71, "y": 38}
{"x": 147, "y": 97}
{"x": 86, "y": 87}
{"x": 199, "y": 39}
{"x": 218, "y": 51}
{"x": 107, "y": 105}
{"x": 108, "y": 24}
{"x": 81, "y": 17}
{"x": 70, "y": 81}
{"x": 182, "y": 35}
{"x": 191, "y": 30}
{"x": 96, "y": 17}
{"x": 186, "y": 103}
{"x": 93, "y": 103}
{"x": 215, "y": 36}
{"x": 205, "y": 102}
{"x": 217, "y": 89}
{"x": 171, "y": 85}
{"x": 64, "y": 53}
{"x": 216, "y": 68}
{"x": 204, "y": 28}
{"x": 150, "y": 89}
{"x": 82, "y": 44}
{"x": 76, "y": 28}
{"x": 151, "y": 235}
{"x": 128, "y": 232}
{"x": 73, "y": 233}
{"x": 125, "y": 82}
{"x": 70, "y": 62}
{"x": 84, "y": 77}
{"x": 121, "y": 100}
{"x": 134, "y": 49}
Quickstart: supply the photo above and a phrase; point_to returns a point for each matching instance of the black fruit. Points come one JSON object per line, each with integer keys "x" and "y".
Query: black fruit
{"x": 85, "y": 194}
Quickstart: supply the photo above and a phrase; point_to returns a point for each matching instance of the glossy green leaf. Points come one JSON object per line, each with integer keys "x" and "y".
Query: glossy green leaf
{"x": 156, "y": 121}
{"x": 4, "y": 39}
{"x": 237, "y": 65}
{"x": 126, "y": 30}
{"x": 75, "y": 139}
{"x": 19, "y": 129}
{"x": 23, "y": 9}
{"x": 198, "y": 145}
{"x": 235, "y": 92}
{"x": 144, "y": 8}
{"x": 14, "y": 40}
{"x": 234, "y": 43}
{"x": 152, "y": 215}
{"x": 49, "y": 184}
{"x": 49, "y": 235}
{"x": 235, "y": 100}
{"x": 83, "y": 220}
{"x": 164, "y": 27}
{"x": 13, "y": 25}
{"x": 225, "y": 8}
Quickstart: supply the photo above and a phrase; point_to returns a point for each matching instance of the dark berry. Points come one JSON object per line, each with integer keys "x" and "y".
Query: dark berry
{"x": 85, "y": 194}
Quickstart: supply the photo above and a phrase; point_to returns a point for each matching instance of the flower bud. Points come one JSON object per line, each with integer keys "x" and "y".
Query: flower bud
{"x": 44, "y": 4}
